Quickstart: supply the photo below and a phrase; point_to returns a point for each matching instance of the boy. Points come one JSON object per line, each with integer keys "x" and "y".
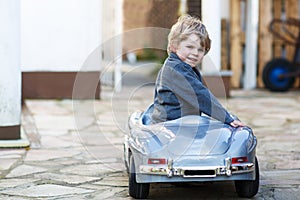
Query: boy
{"x": 179, "y": 90}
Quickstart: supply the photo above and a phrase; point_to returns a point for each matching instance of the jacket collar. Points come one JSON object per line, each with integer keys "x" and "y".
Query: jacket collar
{"x": 174, "y": 55}
{"x": 188, "y": 67}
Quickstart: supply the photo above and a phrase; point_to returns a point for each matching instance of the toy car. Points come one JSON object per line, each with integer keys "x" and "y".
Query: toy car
{"x": 189, "y": 149}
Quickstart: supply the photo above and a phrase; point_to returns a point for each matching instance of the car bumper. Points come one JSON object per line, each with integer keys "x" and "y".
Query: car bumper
{"x": 168, "y": 170}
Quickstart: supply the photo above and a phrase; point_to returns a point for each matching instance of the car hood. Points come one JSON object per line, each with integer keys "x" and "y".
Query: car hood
{"x": 190, "y": 135}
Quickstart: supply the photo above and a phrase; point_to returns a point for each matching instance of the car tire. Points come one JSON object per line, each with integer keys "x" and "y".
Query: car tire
{"x": 248, "y": 188}
{"x": 136, "y": 190}
{"x": 273, "y": 70}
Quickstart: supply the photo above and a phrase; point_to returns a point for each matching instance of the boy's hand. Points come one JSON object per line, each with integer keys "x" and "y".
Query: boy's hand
{"x": 236, "y": 123}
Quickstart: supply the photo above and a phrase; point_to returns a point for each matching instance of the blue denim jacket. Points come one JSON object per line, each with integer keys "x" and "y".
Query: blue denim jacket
{"x": 179, "y": 91}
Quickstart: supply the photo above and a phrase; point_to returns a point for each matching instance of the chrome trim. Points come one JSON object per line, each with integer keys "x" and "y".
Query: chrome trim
{"x": 168, "y": 170}
{"x": 242, "y": 168}
{"x": 228, "y": 166}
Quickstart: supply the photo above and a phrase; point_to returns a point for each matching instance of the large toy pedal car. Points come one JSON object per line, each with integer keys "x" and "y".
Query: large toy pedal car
{"x": 189, "y": 149}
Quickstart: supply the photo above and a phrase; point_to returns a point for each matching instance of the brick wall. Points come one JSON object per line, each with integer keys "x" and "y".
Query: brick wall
{"x": 156, "y": 13}
{"x": 149, "y": 13}
{"x": 194, "y": 7}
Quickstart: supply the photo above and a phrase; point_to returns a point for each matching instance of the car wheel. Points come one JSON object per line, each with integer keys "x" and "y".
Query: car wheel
{"x": 136, "y": 190}
{"x": 246, "y": 188}
{"x": 271, "y": 75}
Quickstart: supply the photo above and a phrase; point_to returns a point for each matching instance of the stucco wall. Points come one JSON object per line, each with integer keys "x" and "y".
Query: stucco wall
{"x": 58, "y": 35}
{"x": 10, "y": 75}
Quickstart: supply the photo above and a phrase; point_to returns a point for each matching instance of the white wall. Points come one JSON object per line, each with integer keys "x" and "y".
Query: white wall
{"x": 10, "y": 73}
{"x": 212, "y": 61}
{"x": 58, "y": 35}
{"x": 225, "y": 9}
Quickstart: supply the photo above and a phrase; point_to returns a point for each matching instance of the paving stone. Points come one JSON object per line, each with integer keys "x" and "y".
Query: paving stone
{"x": 9, "y": 197}
{"x": 103, "y": 161}
{"x": 94, "y": 170}
{"x": 66, "y": 178}
{"x": 280, "y": 146}
{"x": 94, "y": 138}
{"x": 117, "y": 181}
{"x": 262, "y": 121}
{"x": 281, "y": 175}
{"x": 46, "y": 190}
{"x": 15, "y": 182}
{"x": 56, "y": 142}
{"x": 51, "y": 132}
{"x": 280, "y": 183}
{"x": 7, "y": 163}
{"x": 110, "y": 193}
{"x": 63, "y": 162}
{"x": 289, "y": 194}
{"x": 23, "y": 170}
{"x": 95, "y": 187}
{"x": 45, "y": 154}
{"x": 38, "y": 107}
{"x": 105, "y": 151}
{"x": 46, "y": 122}
{"x": 12, "y": 153}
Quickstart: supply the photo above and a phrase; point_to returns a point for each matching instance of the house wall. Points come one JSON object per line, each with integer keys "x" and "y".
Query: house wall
{"x": 59, "y": 36}
{"x": 10, "y": 73}
{"x": 225, "y": 11}
{"x": 151, "y": 13}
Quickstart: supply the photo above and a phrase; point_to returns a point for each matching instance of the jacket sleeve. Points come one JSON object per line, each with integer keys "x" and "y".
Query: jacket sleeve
{"x": 193, "y": 95}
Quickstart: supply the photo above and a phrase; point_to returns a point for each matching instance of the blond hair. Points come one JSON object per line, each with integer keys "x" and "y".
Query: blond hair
{"x": 185, "y": 26}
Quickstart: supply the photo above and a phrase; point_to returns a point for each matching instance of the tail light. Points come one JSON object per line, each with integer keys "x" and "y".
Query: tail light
{"x": 238, "y": 160}
{"x": 157, "y": 161}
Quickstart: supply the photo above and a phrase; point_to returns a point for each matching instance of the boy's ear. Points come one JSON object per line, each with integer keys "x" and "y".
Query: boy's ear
{"x": 173, "y": 48}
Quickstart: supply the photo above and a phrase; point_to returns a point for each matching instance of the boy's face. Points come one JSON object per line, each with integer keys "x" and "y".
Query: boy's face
{"x": 190, "y": 50}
